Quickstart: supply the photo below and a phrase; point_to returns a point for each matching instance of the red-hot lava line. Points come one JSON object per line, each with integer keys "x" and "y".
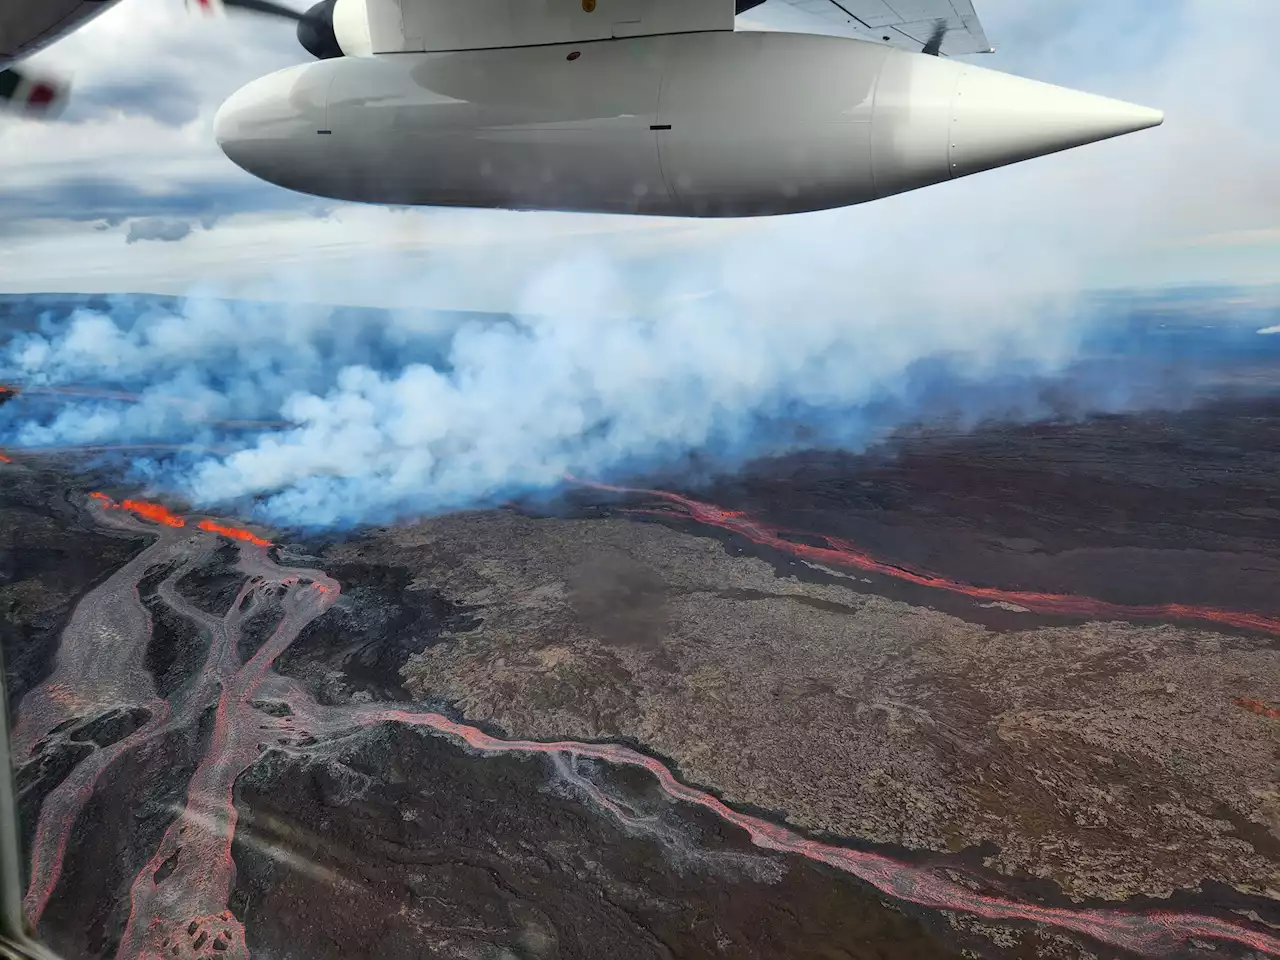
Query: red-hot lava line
{"x": 234, "y": 533}
{"x": 157, "y": 513}
{"x": 100, "y": 664}
{"x": 4, "y": 459}
{"x": 197, "y": 845}
{"x": 63, "y": 806}
{"x": 91, "y": 676}
{"x": 842, "y": 553}
{"x": 179, "y": 899}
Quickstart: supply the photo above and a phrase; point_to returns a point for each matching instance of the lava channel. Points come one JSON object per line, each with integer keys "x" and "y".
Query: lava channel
{"x": 842, "y": 553}
{"x": 179, "y": 899}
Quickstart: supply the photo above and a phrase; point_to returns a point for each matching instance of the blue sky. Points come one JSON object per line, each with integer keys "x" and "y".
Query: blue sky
{"x": 129, "y": 192}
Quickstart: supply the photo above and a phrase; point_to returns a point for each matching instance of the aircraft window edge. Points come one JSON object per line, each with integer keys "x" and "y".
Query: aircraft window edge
{"x": 15, "y": 942}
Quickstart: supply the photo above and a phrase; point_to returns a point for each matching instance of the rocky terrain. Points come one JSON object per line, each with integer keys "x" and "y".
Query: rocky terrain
{"x": 430, "y": 847}
{"x": 1109, "y": 757}
{"x": 50, "y": 554}
{"x": 1011, "y": 692}
{"x": 433, "y": 852}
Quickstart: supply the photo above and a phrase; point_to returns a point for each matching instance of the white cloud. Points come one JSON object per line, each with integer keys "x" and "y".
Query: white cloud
{"x": 1127, "y": 211}
{"x": 163, "y": 229}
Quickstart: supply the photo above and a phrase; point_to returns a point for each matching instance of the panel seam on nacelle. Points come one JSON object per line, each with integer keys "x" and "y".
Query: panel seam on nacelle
{"x": 328, "y": 96}
{"x": 672, "y": 193}
{"x": 953, "y": 119}
{"x": 871, "y": 140}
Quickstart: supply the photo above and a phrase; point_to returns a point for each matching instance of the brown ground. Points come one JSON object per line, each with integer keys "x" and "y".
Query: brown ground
{"x": 1107, "y": 757}
{"x": 395, "y": 844}
{"x": 49, "y": 556}
{"x": 1113, "y": 759}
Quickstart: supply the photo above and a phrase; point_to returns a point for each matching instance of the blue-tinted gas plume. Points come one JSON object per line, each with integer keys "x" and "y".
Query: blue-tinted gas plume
{"x": 317, "y": 416}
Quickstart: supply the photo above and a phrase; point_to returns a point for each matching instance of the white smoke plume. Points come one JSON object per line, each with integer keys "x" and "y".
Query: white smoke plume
{"x": 395, "y": 416}
{"x": 824, "y": 329}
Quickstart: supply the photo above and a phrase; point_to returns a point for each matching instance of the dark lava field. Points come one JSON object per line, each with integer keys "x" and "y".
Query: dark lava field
{"x": 1010, "y": 692}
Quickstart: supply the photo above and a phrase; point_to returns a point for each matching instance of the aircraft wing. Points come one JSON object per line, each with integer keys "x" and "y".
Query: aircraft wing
{"x": 25, "y": 27}
{"x": 28, "y": 25}
{"x": 950, "y": 27}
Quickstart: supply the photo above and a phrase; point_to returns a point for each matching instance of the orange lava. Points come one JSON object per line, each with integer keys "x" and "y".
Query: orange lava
{"x": 235, "y": 533}
{"x": 158, "y": 513}
{"x": 1258, "y": 707}
{"x": 4, "y": 459}
{"x": 154, "y": 511}
{"x": 161, "y": 514}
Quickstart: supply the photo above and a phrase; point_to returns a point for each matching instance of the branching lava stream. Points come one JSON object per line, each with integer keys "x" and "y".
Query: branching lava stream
{"x": 179, "y": 900}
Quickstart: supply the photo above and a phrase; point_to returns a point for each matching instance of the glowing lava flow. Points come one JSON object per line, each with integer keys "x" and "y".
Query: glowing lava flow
{"x": 842, "y": 553}
{"x": 161, "y": 514}
{"x": 101, "y": 665}
{"x": 150, "y": 511}
{"x": 196, "y": 849}
{"x": 234, "y": 533}
{"x": 178, "y": 901}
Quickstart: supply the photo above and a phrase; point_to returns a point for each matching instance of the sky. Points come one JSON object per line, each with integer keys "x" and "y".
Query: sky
{"x": 129, "y": 192}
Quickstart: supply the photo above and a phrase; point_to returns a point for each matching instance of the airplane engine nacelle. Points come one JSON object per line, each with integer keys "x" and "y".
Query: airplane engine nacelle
{"x": 700, "y": 124}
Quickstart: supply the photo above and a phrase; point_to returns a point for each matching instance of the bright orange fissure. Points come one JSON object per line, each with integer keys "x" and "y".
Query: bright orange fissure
{"x": 159, "y": 513}
{"x": 838, "y": 553}
{"x": 235, "y": 533}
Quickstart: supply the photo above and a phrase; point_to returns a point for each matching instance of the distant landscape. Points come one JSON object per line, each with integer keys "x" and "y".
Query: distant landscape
{"x": 1004, "y": 682}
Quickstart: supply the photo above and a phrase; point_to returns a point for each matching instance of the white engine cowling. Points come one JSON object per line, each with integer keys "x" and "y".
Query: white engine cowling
{"x": 702, "y": 124}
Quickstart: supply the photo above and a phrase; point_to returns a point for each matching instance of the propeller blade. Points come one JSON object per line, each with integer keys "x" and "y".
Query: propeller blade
{"x": 206, "y": 8}
{"x": 266, "y": 7}
{"x": 218, "y": 8}
{"x": 314, "y": 27}
{"x": 31, "y": 95}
